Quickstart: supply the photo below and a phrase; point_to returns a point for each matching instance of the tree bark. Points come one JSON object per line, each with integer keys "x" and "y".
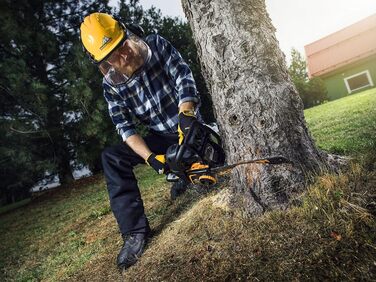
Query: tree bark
{"x": 65, "y": 173}
{"x": 258, "y": 109}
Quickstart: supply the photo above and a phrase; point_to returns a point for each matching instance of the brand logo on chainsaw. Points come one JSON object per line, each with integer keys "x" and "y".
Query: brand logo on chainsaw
{"x": 105, "y": 41}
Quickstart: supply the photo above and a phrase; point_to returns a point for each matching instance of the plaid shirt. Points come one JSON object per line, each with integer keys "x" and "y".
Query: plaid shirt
{"x": 153, "y": 95}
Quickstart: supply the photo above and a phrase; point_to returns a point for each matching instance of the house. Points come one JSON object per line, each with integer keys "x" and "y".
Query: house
{"x": 346, "y": 59}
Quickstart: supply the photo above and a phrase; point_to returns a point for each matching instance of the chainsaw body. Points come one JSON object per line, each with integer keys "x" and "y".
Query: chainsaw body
{"x": 190, "y": 161}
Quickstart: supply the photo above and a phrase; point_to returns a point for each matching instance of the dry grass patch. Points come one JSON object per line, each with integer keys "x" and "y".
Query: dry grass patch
{"x": 72, "y": 235}
{"x": 331, "y": 235}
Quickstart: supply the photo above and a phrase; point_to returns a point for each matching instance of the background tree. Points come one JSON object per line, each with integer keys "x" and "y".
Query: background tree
{"x": 259, "y": 112}
{"x": 19, "y": 167}
{"x": 39, "y": 116}
{"x": 92, "y": 129}
{"x": 312, "y": 91}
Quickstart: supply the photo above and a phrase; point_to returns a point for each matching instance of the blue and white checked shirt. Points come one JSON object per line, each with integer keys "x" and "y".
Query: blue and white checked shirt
{"x": 154, "y": 94}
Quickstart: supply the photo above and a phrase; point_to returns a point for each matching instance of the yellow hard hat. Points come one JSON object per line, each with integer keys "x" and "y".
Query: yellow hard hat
{"x": 100, "y": 34}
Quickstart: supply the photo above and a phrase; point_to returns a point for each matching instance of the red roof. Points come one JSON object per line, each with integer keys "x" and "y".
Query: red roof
{"x": 343, "y": 47}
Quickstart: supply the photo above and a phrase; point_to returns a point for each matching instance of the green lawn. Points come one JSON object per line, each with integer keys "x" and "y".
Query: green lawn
{"x": 58, "y": 233}
{"x": 71, "y": 234}
{"x": 14, "y": 206}
{"x": 45, "y": 235}
{"x": 345, "y": 126}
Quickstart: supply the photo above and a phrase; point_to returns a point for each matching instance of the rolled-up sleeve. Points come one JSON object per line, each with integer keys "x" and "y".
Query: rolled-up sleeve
{"x": 119, "y": 113}
{"x": 178, "y": 70}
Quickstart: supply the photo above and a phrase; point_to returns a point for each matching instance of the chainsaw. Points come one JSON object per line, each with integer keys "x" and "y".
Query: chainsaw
{"x": 200, "y": 158}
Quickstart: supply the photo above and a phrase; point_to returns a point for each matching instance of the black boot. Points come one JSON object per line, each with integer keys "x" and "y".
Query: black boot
{"x": 134, "y": 245}
{"x": 178, "y": 189}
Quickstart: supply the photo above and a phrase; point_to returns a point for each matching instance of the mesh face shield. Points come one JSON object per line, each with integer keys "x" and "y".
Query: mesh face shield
{"x": 125, "y": 60}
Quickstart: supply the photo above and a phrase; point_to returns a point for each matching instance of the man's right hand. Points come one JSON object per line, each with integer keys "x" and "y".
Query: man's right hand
{"x": 158, "y": 162}
{"x": 186, "y": 118}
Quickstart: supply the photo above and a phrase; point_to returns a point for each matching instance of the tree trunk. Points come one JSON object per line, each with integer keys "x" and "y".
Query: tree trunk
{"x": 64, "y": 170}
{"x": 256, "y": 105}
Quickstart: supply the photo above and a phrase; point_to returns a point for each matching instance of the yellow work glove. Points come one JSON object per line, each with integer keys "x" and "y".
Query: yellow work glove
{"x": 185, "y": 118}
{"x": 158, "y": 162}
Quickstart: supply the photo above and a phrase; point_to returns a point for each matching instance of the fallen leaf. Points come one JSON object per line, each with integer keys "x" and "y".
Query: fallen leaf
{"x": 336, "y": 236}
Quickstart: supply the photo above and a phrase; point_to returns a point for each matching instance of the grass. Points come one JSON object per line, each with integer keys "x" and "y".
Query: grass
{"x": 47, "y": 234}
{"x": 331, "y": 236}
{"x": 345, "y": 126}
{"x": 14, "y": 206}
{"x": 71, "y": 235}
{"x": 63, "y": 231}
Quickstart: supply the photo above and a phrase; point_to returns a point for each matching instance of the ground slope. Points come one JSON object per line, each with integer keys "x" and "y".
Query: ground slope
{"x": 329, "y": 233}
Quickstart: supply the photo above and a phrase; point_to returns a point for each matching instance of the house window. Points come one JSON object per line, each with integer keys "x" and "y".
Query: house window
{"x": 358, "y": 81}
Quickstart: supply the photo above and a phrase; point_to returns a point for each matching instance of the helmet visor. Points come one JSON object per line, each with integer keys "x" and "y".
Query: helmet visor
{"x": 125, "y": 60}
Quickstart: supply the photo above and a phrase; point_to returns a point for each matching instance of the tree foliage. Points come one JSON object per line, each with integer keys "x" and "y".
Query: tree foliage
{"x": 312, "y": 91}
{"x": 40, "y": 115}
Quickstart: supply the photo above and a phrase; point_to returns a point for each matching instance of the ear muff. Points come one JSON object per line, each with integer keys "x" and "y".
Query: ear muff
{"x": 135, "y": 29}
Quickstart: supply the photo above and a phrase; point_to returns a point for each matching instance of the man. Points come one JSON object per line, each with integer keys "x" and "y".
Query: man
{"x": 149, "y": 80}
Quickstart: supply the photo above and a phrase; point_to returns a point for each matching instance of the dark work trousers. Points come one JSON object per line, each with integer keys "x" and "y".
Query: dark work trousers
{"x": 125, "y": 198}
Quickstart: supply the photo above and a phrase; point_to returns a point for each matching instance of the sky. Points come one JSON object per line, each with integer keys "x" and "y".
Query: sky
{"x": 298, "y": 22}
